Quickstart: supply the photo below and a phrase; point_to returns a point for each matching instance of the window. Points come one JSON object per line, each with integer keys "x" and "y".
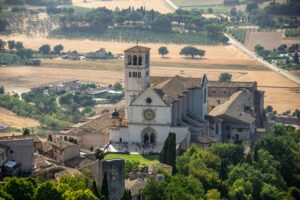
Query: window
{"x": 148, "y": 100}
{"x": 11, "y": 151}
{"x": 240, "y": 130}
{"x": 213, "y": 91}
{"x": 247, "y": 108}
{"x": 130, "y": 74}
{"x": 134, "y": 74}
{"x": 139, "y": 74}
{"x": 205, "y": 96}
{"x": 140, "y": 60}
{"x": 147, "y": 59}
{"x": 129, "y": 60}
{"x": 224, "y": 91}
{"x": 134, "y": 60}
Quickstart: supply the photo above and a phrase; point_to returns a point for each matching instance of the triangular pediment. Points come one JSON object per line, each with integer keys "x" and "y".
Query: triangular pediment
{"x": 148, "y": 97}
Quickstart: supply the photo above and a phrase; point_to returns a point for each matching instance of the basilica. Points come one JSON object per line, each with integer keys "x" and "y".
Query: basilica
{"x": 154, "y": 107}
{"x": 198, "y": 111}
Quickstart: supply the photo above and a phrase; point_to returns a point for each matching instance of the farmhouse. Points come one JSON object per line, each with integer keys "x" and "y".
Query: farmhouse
{"x": 196, "y": 110}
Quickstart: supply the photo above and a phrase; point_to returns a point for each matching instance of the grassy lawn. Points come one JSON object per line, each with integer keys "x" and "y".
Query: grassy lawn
{"x": 143, "y": 159}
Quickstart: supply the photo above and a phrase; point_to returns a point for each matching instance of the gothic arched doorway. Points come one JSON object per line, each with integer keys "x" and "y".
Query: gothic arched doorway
{"x": 148, "y": 136}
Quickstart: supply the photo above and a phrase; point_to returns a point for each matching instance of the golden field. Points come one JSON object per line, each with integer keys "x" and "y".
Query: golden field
{"x": 281, "y": 93}
{"x": 9, "y": 118}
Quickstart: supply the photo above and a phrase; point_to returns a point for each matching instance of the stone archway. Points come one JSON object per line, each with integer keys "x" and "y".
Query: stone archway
{"x": 148, "y": 136}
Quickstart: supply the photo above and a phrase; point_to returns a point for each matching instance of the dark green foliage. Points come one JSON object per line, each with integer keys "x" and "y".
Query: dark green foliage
{"x": 118, "y": 87}
{"x": 104, "y": 187}
{"x": 296, "y": 58}
{"x": 26, "y": 131}
{"x": 20, "y": 188}
{"x": 225, "y": 77}
{"x": 47, "y": 191}
{"x": 192, "y": 51}
{"x": 3, "y": 24}
{"x": 2, "y": 90}
{"x": 168, "y": 153}
{"x": 45, "y": 49}
{"x": 11, "y": 44}
{"x": 24, "y": 53}
{"x": 163, "y": 51}
{"x": 58, "y": 49}
{"x": 95, "y": 190}
{"x": 126, "y": 195}
{"x": 154, "y": 190}
{"x": 228, "y": 152}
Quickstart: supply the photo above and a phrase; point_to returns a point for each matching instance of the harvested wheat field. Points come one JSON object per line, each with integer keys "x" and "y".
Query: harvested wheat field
{"x": 11, "y": 119}
{"x": 281, "y": 93}
{"x": 268, "y": 39}
{"x": 157, "y": 5}
{"x": 214, "y": 54}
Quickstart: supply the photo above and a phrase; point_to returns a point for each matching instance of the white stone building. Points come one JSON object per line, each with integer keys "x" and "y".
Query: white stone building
{"x": 152, "y": 111}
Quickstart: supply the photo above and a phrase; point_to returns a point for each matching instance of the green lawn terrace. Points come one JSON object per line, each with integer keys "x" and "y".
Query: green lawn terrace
{"x": 142, "y": 159}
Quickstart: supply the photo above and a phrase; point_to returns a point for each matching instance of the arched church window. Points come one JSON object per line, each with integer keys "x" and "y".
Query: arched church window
{"x": 140, "y": 60}
{"x": 129, "y": 60}
{"x": 146, "y": 138}
{"x": 134, "y": 60}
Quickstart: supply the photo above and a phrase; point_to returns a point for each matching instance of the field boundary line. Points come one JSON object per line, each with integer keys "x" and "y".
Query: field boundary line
{"x": 265, "y": 63}
{"x": 172, "y": 4}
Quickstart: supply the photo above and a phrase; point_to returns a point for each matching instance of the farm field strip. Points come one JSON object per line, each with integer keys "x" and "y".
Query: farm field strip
{"x": 20, "y": 79}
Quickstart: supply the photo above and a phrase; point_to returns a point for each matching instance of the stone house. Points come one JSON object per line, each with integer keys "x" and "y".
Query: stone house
{"x": 234, "y": 119}
{"x": 19, "y": 149}
{"x": 63, "y": 151}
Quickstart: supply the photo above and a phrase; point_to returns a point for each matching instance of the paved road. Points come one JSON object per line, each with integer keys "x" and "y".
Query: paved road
{"x": 262, "y": 61}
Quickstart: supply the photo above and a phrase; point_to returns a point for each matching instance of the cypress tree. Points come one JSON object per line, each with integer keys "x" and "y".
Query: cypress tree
{"x": 255, "y": 156}
{"x": 168, "y": 153}
{"x": 104, "y": 188}
{"x": 95, "y": 190}
{"x": 223, "y": 170}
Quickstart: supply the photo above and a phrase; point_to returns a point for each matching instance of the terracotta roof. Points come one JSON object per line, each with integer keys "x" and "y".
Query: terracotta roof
{"x": 138, "y": 49}
{"x": 175, "y": 86}
{"x": 232, "y": 84}
{"x": 234, "y": 108}
{"x": 62, "y": 144}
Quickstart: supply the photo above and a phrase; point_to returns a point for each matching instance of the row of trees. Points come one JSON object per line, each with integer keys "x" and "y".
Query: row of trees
{"x": 267, "y": 170}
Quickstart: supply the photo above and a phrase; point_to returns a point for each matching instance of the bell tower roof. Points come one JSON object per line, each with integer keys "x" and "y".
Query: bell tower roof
{"x": 138, "y": 49}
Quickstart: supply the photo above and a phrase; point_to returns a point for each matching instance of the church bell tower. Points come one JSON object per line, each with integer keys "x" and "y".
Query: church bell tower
{"x": 137, "y": 72}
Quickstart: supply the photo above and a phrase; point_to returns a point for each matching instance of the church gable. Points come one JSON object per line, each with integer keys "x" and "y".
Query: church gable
{"x": 148, "y": 98}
